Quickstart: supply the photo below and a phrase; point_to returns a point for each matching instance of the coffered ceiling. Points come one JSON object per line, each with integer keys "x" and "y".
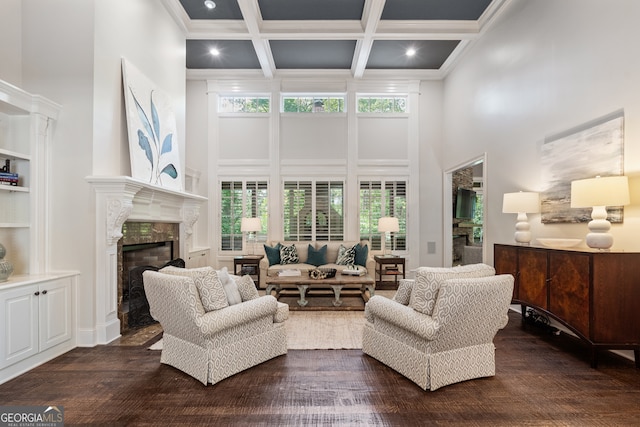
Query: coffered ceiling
{"x": 355, "y": 38}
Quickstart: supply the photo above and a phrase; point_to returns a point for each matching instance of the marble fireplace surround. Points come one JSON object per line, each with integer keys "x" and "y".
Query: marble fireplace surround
{"x": 119, "y": 199}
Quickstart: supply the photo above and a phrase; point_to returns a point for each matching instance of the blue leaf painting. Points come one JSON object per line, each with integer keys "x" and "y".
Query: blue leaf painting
{"x": 171, "y": 171}
{"x": 167, "y": 145}
{"x": 143, "y": 117}
{"x": 152, "y": 132}
{"x": 143, "y": 141}
{"x": 154, "y": 117}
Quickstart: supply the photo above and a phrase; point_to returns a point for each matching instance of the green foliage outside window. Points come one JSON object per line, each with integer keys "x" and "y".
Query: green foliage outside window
{"x": 382, "y": 104}
{"x": 244, "y": 104}
{"x": 379, "y": 199}
{"x": 313, "y": 104}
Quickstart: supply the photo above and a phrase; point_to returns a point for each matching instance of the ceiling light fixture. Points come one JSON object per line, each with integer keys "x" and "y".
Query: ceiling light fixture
{"x": 411, "y": 51}
{"x": 210, "y": 4}
{"x": 213, "y": 51}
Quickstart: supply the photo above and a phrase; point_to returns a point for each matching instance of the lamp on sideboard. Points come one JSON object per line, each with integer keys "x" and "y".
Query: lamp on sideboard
{"x": 600, "y": 192}
{"x": 522, "y": 203}
{"x": 251, "y": 226}
{"x": 387, "y": 225}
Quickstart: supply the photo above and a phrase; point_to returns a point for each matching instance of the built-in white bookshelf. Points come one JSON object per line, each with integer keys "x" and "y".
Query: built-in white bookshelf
{"x": 26, "y": 124}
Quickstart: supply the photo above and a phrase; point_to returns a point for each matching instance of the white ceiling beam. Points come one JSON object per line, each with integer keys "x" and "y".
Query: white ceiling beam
{"x": 370, "y": 20}
{"x": 253, "y": 19}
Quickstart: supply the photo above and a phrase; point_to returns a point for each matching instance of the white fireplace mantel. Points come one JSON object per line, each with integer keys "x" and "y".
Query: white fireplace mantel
{"x": 120, "y": 199}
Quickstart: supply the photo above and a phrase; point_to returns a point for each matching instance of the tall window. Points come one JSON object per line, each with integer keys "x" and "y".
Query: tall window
{"x": 378, "y": 199}
{"x": 313, "y": 210}
{"x": 240, "y": 199}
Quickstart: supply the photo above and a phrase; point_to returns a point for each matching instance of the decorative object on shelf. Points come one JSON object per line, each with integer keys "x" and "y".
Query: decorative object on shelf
{"x": 552, "y": 242}
{"x": 6, "y": 268}
{"x": 322, "y": 273}
{"x": 151, "y": 124}
{"x": 521, "y": 203}
{"x": 251, "y": 226}
{"x": 387, "y": 225}
{"x": 7, "y": 166}
{"x": 600, "y": 192}
{"x": 589, "y": 149}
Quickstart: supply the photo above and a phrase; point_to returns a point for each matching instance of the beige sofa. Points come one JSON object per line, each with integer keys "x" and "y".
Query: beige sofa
{"x": 302, "y": 249}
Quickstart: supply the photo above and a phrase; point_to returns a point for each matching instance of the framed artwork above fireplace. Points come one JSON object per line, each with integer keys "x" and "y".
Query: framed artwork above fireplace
{"x": 151, "y": 124}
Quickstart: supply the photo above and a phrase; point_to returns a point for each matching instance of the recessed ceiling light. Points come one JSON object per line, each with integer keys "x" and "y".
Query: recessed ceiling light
{"x": 210, "y": 4}
{"x": 411, "y": 51}
{"x": 213, "y": 51}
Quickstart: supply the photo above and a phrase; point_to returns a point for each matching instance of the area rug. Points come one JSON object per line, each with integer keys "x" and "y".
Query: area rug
{"x": 318, "y": 330}
{"x": 321, "y": 330}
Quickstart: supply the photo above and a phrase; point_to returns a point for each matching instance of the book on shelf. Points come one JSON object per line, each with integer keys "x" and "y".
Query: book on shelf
{"x": 7, "y": 178}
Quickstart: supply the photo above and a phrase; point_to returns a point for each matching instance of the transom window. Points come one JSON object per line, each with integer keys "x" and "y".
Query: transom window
{"x": 382, "y": 104}
{"x": 379, "y": 199}
{"x": 309, "y": 103}
{"x": 240, "y": 199}
{"x": 313, "y": 210}
{"x": 244, "y": 104}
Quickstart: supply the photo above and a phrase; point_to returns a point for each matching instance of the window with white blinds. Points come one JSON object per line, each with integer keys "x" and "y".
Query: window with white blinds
{"x": 240, "y": 199}
{"x": 313, "y": 210}
{"x": 379, "y": 199}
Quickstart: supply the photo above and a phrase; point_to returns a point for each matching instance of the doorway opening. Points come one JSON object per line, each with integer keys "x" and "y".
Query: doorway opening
{"x": 464, "y": 212}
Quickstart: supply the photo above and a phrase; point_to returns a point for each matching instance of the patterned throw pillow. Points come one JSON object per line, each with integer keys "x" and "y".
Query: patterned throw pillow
{"x": 273, "y": 254}
{"x": 403, "y": 294}
{"x": 317, "y": 257}
{"x": 247, "y": 288}
{"x": 429, "y": 279}
{"x": 346, "y": 256}
{"x": 289, "y": 255}
{"x": 208, "y": 284}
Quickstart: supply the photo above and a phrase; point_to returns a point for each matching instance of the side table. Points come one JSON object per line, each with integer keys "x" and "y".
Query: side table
{"x": 249, "y": 264}
{"x": 389, "y": 265}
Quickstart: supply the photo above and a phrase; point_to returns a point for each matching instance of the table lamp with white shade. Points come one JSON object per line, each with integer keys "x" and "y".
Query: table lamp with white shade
{"x": 522, "y": 203}
{"x": 387, "y": 225}
{"x": 600, "y": 192}
{"x": 251, "y": 226}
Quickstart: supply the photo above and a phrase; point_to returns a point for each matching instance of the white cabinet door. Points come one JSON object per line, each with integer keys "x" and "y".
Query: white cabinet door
{"x": 19, "y": 331}
{"x": 55, "y": 312}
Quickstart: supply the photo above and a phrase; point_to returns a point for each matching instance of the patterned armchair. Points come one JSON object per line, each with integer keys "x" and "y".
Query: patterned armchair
{"x": 439, "y": 329}
{"x": 213, "y": 345}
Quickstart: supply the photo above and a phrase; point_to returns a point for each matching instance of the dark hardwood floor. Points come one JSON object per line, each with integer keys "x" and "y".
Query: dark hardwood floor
{"x": 541, "y": 380}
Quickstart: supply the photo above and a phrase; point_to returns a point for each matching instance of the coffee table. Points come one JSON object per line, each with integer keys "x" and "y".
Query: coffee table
{"x": 304, "y": 282}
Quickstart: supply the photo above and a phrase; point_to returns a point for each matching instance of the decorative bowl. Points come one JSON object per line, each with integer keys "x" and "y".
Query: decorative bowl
{"x": 322, "y": 273}
{"x": 558, "y": 242}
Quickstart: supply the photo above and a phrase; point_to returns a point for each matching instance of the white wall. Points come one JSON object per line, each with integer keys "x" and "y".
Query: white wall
{"x": 11, "y": 42}
{"x": 430, "y": 175}
{"x": 547, "y": 66}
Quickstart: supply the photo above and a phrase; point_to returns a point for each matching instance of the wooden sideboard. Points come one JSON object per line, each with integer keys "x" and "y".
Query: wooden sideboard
{"x": 595, "y": 294}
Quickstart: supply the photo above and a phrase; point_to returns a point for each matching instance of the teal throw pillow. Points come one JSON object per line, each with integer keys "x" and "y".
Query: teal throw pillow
{"x": 289, "y": 255}
{"x": 273, "y": 254}
{"x": 362, "y": 252}
{"x": 346, "y": 256}
{"x": 317, "y": 257}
